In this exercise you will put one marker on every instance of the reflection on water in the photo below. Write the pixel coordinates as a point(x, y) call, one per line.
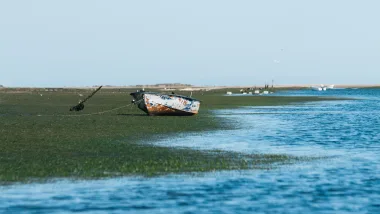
point(349, 131)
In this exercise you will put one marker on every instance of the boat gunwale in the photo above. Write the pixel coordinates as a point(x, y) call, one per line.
point(158, 93)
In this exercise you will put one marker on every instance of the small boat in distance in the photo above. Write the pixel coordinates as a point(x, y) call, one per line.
point(156, 104)
point(322, 87)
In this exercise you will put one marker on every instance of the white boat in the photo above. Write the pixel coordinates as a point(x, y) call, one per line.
point(322, 87)
point(165, 104)
point(316, 88)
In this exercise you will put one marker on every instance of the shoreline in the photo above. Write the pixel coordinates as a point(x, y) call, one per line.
point(186, 88)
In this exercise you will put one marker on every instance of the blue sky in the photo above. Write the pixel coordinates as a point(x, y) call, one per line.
point(208, 42)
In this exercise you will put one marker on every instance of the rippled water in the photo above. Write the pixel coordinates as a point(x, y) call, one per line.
point(348, 182)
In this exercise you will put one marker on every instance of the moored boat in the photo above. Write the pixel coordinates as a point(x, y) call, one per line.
point(155, 104)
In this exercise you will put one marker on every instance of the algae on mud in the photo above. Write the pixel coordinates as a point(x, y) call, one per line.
point(38, 141)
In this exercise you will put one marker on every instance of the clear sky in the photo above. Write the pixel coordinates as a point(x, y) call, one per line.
point(201, 42)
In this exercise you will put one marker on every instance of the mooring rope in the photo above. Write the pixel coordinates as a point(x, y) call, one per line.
point(96, 113)
point(81, 115)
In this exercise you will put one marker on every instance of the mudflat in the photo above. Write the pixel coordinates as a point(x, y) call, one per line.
point(41, 140)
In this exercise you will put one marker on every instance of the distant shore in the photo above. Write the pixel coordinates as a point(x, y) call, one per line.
point(195, 88)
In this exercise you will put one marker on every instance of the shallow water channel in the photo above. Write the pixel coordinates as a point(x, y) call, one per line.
point(346, 180)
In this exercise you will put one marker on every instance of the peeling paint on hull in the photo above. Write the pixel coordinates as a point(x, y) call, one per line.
point(162, 104)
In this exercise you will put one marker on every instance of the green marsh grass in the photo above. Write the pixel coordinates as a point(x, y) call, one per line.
point(39, 141)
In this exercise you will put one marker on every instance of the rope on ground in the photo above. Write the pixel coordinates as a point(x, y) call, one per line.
point(81, 115)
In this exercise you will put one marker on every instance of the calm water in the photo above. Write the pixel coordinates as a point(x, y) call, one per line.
point(348, 182)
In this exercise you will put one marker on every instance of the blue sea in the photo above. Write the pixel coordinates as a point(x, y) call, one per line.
point(345, 135)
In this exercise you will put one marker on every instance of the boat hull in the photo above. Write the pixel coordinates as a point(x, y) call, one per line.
point(156, 104)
